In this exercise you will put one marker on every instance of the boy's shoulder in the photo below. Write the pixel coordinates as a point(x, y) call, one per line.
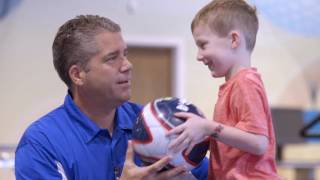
point(248, 79)
point(249, 75)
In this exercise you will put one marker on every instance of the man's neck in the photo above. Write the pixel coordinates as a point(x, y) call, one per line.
point(101, 114)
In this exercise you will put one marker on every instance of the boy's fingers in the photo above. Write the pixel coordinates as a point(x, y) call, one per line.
point(179, 129)
point(178, 143)
point(181, 146)
point(188, 115)
point(190, 147)
point(176, 130)
point(183, 115)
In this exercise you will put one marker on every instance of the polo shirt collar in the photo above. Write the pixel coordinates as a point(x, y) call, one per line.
point(123, 119)
point(88, 128)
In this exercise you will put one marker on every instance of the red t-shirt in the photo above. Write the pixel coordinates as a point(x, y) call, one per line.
point(242, 103)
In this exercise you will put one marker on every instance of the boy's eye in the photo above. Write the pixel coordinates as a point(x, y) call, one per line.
point(203, 45)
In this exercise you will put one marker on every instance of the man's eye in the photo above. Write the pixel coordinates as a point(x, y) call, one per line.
point(111, 58)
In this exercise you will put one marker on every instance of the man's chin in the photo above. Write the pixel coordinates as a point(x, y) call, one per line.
point(126, 97)
point(122, 100)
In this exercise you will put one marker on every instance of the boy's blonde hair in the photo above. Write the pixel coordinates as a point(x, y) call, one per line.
point(222, 16)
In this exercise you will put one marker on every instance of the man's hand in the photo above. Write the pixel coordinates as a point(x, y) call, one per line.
point(133, 172)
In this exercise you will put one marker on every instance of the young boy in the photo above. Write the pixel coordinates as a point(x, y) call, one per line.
point(241, 133)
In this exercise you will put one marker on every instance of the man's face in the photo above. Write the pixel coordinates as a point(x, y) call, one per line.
point(108, 73)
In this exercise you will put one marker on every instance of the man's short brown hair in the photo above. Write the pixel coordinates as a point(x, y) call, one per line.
point(75, 42)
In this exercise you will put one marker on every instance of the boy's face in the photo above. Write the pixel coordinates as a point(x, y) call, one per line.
point(214, 51)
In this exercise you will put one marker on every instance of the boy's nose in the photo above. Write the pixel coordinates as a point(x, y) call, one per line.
point(199, 57)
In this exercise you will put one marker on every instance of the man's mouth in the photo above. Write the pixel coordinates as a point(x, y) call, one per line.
point(123, 82)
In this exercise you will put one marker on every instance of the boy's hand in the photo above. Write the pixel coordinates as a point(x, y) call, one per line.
point(190, 133)
point(133, 172)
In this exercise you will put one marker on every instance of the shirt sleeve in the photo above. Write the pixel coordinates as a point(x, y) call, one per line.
point(251, 106)
point(33, 162)
point(201, 171)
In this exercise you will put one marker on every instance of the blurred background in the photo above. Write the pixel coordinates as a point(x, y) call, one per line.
point(162, 51)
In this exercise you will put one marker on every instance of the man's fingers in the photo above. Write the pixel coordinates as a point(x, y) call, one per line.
point(129, 154)
point(172, 173)
point(157, 166)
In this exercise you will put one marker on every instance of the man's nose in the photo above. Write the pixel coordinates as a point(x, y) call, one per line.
point(126, 65)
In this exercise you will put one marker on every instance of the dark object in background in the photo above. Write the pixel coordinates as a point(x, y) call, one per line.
point(287, 126)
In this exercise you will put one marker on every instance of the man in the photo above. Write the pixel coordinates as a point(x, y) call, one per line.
point(87, 137)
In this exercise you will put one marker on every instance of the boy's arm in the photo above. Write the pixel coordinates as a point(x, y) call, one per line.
point(250, 134)
point(250, 111)
point(196, 129)
point(245, 141)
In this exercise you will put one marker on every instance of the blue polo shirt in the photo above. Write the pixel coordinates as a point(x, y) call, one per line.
point(66, 144)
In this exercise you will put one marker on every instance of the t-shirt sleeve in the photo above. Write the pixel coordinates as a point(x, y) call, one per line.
point(201, 171)
point(251, 106)
point(32, 161)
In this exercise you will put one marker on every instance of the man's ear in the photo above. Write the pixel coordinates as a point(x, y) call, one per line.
point(76, 74)
point(235, 39)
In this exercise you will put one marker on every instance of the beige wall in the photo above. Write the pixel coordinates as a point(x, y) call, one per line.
point(30, 86)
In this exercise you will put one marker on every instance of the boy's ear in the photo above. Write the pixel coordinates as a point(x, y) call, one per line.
point(235, 39)
point(76, 74)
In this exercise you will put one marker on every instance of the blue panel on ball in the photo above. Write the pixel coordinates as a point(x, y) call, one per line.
point(168, 107)
point(140, 132)
point(198, 152)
